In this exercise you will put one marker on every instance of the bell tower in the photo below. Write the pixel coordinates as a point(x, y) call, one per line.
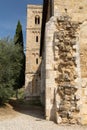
point(33, 61)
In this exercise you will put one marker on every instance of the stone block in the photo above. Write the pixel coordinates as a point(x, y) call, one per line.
point(65, 120)
point(73, 121)
point(59, 120)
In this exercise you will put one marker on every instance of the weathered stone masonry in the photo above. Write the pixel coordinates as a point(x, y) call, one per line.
point(63, 78)
point(66, 72)
point(66, 65)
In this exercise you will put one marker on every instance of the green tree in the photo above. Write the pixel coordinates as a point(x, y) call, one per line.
point(10, 67)
point(18, 40)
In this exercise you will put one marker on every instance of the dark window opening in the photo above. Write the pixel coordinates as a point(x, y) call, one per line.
point(37, 19)
point(36, 60)
point(36, 38)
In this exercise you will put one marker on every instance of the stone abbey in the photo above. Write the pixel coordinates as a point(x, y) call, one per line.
point(56, 59)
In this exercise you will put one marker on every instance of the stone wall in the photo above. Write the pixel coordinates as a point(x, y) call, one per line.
point(63, 87)
point(64, 91)
point(67, 67)
point(77, 12)
point(77, 9)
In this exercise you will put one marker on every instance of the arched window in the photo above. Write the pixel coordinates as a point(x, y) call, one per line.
point(37, 19)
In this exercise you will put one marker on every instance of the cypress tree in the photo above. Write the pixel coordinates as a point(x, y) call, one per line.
point(18, 41)
point(18, 38)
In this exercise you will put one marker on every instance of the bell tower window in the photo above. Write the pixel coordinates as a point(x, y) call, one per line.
point(37, 19)
point(37, 39)
point(36, 60)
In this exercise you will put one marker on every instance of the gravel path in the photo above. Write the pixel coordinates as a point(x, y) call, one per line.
point(33, 120)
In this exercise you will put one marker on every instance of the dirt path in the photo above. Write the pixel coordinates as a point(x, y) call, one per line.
point(29, 119)
point(27, 122)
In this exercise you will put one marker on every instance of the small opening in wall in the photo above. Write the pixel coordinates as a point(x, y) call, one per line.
point(66, 10)
point(36, 38)
point(37, 19)
point(36, 60)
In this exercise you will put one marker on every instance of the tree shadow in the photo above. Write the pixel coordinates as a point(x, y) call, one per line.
point(27, 108)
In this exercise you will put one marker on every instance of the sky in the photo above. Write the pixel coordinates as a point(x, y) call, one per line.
point(10, 12)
